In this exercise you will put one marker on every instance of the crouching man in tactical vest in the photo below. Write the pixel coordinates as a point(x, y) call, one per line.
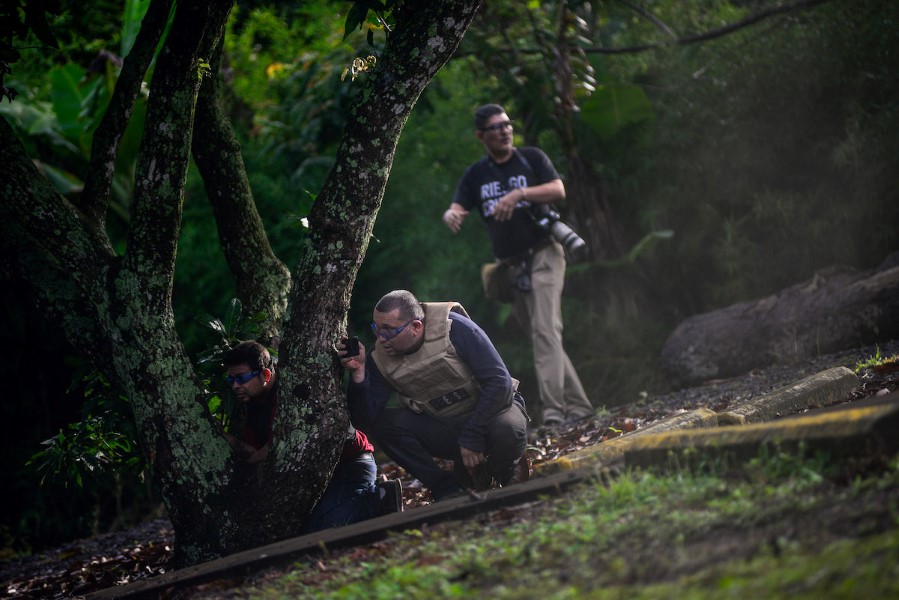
point(457, 399)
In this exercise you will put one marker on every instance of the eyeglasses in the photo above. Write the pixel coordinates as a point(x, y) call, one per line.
point(388, 333)
point(242, 378)
point(498, 126)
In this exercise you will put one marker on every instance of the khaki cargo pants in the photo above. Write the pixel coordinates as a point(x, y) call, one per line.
point(540, 314)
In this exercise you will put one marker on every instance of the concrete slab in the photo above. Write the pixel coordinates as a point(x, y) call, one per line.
point(613, 450)
point(820, 389)
point(867, 430)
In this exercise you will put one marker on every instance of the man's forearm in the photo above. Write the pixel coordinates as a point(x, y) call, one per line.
point(545, 193)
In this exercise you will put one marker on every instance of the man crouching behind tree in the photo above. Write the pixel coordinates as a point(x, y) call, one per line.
point(458, 401)
point(352, 494)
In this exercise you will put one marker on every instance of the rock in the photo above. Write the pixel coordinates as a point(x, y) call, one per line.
point(833, 311)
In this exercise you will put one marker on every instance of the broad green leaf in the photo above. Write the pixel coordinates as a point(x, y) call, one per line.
point(134, 14)
point(215, 324)
point(354, 19)
point(611, 107)
point(67, 99)
point(235, 310)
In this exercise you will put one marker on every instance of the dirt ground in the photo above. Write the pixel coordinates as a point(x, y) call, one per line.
point(104, 561)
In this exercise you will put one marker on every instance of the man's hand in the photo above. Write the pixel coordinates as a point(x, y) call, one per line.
point(354, 364)
point(470, 458)
point(454, 216)
point(506, 205)
point(241, 449)
point(258, 455)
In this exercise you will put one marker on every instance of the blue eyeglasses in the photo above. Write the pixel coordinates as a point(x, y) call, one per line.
point(242, 378)
point(388, 334)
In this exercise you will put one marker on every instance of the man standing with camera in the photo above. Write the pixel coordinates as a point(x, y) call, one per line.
point(513, 190)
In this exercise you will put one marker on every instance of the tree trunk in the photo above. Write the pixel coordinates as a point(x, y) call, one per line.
point(829, 313)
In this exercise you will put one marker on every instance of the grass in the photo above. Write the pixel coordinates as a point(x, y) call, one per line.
point(779, 526)
point(876, 361)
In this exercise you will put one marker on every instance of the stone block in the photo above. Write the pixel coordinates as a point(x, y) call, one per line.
point(820, 389)
point(861, 432)
point(612, 450)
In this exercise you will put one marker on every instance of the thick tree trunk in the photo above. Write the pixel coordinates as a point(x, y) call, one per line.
point(827, 314)
point(190, 460)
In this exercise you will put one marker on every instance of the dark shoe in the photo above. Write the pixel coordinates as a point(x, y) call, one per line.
point(552, 423)
point(390, 492)
point(578, 421)
point(483, 478)
point(522, 471)
point(478, 479)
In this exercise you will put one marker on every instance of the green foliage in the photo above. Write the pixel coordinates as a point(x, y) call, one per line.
point(381, 18)
point(234, 328)
point(876, 361)
point(611, 107)
point(17, 19)
point(203, 283)
point(102, 443)
point(86, 479)
point(61, 105)
point(133, 14)
point(265, 48)
point(287, 73)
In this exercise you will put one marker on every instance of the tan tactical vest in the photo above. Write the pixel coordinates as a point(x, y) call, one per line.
point(433, 379)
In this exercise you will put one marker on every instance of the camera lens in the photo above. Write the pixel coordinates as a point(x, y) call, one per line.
point(571, 241)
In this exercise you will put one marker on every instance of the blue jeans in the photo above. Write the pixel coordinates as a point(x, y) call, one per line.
point(350, 497)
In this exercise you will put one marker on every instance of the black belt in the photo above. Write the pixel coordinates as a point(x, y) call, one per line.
point(516, 259)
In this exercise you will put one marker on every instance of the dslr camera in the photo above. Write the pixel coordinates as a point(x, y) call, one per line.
point(548, 219)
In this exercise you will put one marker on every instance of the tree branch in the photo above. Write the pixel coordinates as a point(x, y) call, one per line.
point(262, 280)
point(164, 155)
point(64, 262)
point(683, 41)
point(649, 17)
point(715, 33)
point(31, 204)
point(95, 196)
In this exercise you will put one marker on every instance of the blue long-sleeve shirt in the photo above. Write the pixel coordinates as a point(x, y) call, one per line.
point(368, 398)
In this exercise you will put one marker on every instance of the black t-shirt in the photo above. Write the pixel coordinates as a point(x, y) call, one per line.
point(485, 182)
